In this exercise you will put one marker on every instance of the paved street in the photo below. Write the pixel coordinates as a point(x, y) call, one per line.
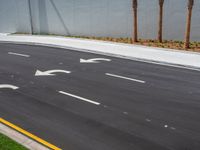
point(84, 101)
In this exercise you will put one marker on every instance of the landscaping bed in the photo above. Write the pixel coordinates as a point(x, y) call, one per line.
point(170, 44)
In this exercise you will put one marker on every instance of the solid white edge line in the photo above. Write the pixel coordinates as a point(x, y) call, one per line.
point(78, 97)
point(118, 76)
point(18, 54)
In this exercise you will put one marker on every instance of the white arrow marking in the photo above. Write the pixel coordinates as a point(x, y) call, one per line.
point(8, 86)
point(78, 97)
point(94, 60)
point(50, 72)
point(117, 76)
point(17, 54)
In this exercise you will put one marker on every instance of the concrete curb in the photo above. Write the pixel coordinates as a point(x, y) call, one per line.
point(21, 139)
point(174, 58)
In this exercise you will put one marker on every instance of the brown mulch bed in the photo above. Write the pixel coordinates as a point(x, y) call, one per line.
point(170, 44)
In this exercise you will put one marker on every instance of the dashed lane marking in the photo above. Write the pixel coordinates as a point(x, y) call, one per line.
point(8, 86)
point(18, 54)
point(126, 78)
point(80, 98)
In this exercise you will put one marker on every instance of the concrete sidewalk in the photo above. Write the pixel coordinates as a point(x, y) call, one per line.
point(21, 139)
point(190, 60)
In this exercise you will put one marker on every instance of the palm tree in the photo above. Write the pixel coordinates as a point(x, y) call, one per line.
point(135, 31)
point(188, 27)
point(161, 2)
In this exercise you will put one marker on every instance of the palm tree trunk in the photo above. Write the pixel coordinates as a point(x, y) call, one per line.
point(161, 2)
point(188, 27)
point(135, 31)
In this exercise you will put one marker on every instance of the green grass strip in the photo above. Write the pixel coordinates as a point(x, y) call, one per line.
point(8, 144)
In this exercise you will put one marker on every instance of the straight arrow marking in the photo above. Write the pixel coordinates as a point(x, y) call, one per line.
point(8, 86)
point(131, 79)
point(81, 98)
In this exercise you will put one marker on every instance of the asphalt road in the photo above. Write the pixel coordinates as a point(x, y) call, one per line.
point(111, 105)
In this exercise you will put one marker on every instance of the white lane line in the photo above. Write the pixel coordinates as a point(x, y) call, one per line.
point(8, 86)
point(172, 128)
point(118, 76)
point(166, 126)
point(78, 97)
point(18, 54)
point(148, 120)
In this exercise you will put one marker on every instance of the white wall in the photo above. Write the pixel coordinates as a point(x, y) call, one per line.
point(97, 17)
point(8, 17)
